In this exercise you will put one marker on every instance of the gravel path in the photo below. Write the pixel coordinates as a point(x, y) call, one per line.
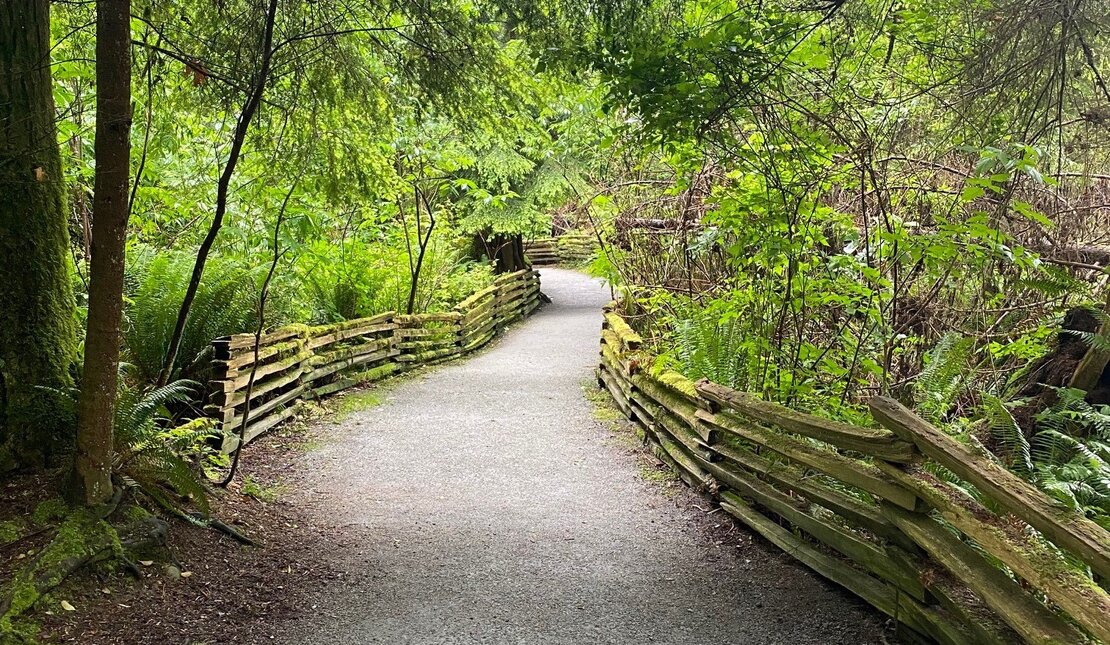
point(489, 506)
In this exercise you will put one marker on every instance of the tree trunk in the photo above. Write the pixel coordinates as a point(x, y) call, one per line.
point(506, 250)
point(1090, 369)
point(99, 382)
point(38, 341)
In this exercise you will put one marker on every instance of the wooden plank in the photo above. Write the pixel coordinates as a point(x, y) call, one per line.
point(366, 376)
point(240, 381)
point(1064, 527)
point(241, 341)
point(326, 370)
point(428, 355)
point(469, 301)
point(851, 471)
point(486, 327)
point(480, 310)
point(1028, 617)
point(409, 347)
point(227, 399)
point(617, 361)
point(1073, 592)
point(420, 319)
point(675, 427)
point(350, 351)
point(886, 599)
point(229, 367)
point(859, 549)
point(615, 391)
point(479, 341)
point(789, 477)
point(881, 444)
point(256, 428)
point(621, 381)
point(260, 411)
point(344, 334)
point(688, 468)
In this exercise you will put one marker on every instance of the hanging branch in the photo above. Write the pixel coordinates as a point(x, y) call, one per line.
point(241, 128)
point(262, 297)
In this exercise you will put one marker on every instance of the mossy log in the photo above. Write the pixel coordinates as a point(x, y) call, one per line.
point(83, 539)
point(1064, 527)
point(881, 444)
point(677, 404)
point(629, 338)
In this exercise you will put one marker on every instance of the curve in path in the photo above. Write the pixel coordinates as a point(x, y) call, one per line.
point(491, 507)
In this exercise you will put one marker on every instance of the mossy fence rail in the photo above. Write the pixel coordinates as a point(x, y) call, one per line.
point(302, 362)
point(863, 508)
point(569, 248)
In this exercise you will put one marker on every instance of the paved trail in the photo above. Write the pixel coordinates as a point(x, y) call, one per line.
point(492, 508)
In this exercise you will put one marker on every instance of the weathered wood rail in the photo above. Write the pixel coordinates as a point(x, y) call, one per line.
point(861, 506)
point(302, 362)
point(568, 248)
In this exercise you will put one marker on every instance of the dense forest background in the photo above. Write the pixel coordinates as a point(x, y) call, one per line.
point(812, 201)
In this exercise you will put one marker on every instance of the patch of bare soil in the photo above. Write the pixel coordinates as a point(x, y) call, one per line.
point(204, 587)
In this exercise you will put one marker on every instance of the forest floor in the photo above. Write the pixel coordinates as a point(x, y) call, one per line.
point(494, 499)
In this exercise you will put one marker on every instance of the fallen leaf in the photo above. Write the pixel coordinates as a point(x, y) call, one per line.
point(146, 563)
point(186, 574)
point(68, 607)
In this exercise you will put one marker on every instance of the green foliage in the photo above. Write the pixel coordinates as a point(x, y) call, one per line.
point(149, 449)
point(707, 347)
point(226, 303)
point(944, 375)
point(1071, 454)
point(154, 452)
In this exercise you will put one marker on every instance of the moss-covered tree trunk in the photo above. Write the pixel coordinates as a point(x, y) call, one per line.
point(99, 380)
point(37, 331)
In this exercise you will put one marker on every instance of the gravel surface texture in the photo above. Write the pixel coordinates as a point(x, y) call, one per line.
point(491, 506)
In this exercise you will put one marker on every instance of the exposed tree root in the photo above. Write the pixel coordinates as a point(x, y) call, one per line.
point(84, 539)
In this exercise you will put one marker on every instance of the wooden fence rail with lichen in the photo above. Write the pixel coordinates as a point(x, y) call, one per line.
point(862, 507)
point(305, 362)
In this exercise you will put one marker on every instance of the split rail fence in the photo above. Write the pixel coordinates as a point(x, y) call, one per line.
point(569, 248)
point(305, 362)
point(866, 508)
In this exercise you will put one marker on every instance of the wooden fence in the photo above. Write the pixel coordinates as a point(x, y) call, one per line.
point(302, 362)
point(866, 508)
point(568, 248)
